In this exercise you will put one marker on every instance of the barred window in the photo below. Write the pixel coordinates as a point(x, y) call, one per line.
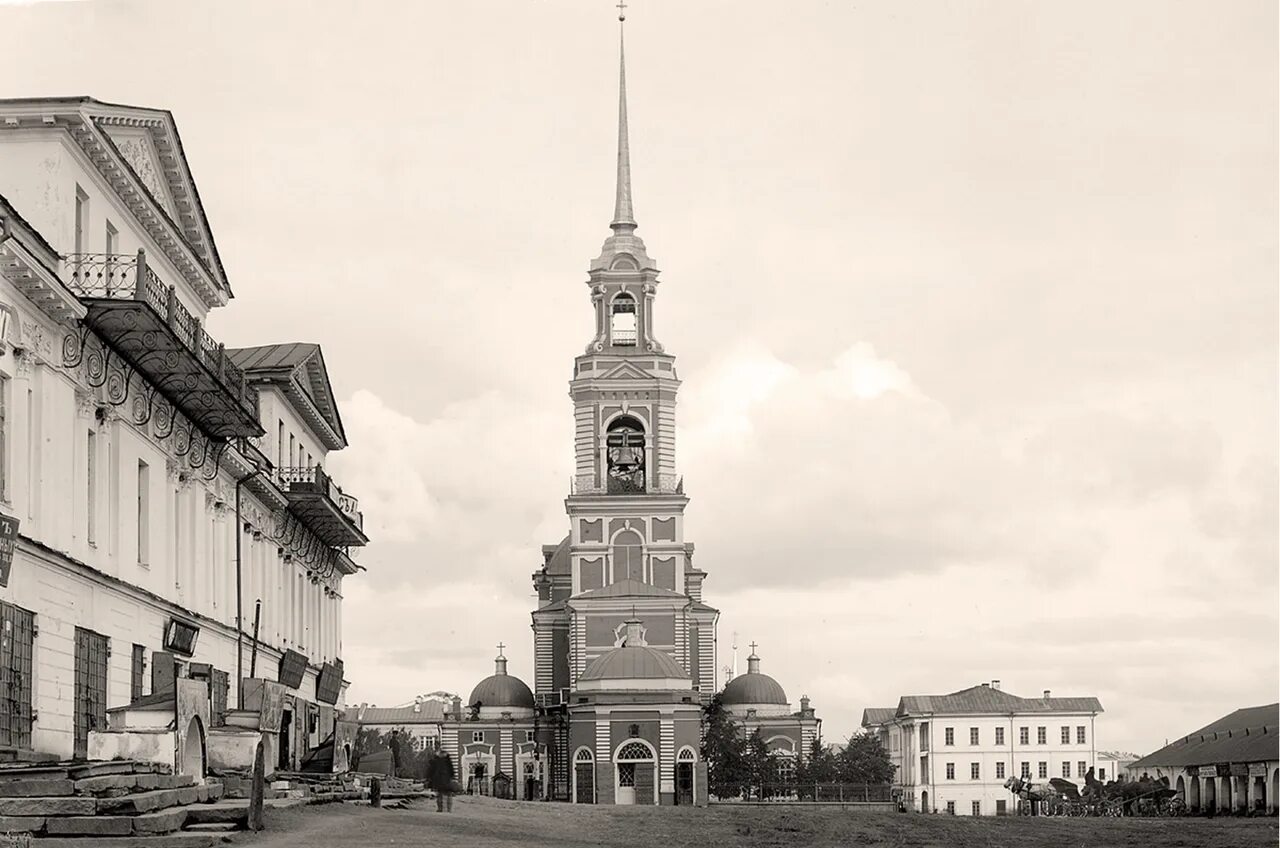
point(137, 672)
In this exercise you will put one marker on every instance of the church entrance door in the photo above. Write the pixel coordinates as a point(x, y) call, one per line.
point(684, 784)
point(626, 784)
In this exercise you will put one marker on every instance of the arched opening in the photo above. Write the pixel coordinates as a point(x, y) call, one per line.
point(1275, 790)
point(686, 777)
point(924, 800)
point(624, 455)
point(622, 321)
point(1209, 801)
point(628, 556)
point(1225, 796)
point(1181, 788)
point(635, 773)
point(193, 749)
point(584, 777)
point(1193, 794)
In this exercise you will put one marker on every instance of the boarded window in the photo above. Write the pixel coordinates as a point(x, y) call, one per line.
point(91, 687)
point(137, 671)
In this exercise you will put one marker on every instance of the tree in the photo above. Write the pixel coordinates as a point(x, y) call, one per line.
point(818, 767)
point(864, 760)
point(760, 766)
point(724, 749)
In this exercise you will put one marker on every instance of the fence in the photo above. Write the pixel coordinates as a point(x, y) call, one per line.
point(879, 795)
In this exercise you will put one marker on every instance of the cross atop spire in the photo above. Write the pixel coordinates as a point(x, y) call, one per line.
point(753, 647)
point(623, 216)
point(500, 647)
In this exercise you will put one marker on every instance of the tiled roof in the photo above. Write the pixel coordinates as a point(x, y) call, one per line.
point(630, 589)
point(1249, 735)
point(432, 713)
point(877, 715)
point(985, 699)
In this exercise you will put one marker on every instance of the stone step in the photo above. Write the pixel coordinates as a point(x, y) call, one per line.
point(20, 772)
point(212, 827)
point(243, 718)
point(164, 821)
point(107, 767)
point(89, 826)
point(63, 806)
point(146, 802)
point(37, 787)
point(182, 839)
point(230, 811)
point(114, 785)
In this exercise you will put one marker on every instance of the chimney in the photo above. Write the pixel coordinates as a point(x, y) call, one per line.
point(457, 708)
point(995, 684)
point(417, 704)
point(1046, 694)
point(986, 686)
point(804, 703)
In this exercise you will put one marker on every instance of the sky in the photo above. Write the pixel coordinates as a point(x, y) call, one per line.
point(974, 305)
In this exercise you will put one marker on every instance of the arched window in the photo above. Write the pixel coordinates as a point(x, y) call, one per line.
point(584, 755)
point(624, 449)
point(628, 556)
point(622, 320)
point(634, 752)
point(687, 755)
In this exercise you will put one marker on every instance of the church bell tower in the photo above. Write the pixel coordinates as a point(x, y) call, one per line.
point(625, 555)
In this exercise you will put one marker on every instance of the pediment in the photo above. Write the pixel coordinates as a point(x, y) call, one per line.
point(626, 371)
point(137, 148)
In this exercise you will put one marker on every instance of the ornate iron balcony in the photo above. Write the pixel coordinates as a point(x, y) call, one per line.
point(320, 503)
point(141, 318)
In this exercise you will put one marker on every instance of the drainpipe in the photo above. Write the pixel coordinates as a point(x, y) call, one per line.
point(240, 596)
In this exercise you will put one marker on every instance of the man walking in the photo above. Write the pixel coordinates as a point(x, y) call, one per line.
point(440, 778)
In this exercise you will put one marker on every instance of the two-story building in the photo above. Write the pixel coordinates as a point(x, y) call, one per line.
point(953, 753)
point(165, 503)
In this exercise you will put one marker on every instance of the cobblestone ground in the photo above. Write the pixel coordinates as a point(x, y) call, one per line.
point(485, 823)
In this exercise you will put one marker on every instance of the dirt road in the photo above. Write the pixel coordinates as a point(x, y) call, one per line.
point(486, 823)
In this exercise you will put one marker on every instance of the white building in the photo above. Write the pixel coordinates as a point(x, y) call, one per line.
point(150, 470)
point(954, 752)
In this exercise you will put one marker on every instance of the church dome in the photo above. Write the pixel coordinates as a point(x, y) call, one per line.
point(634, 665)
point(753, 688)
point(501, 691)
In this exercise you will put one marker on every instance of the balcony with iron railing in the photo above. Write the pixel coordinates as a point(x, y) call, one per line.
point(331, 514)
point(143, 322)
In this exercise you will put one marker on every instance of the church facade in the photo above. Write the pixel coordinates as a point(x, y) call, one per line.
point(624, 644)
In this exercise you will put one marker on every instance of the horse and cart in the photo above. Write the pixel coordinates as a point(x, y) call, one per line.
point(1059, 797)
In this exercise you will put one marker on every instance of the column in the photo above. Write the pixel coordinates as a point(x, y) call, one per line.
point(667, 759)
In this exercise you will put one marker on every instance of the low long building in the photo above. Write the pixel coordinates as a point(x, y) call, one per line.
point(1229, 765)
point(953, 753)
point(146, 471)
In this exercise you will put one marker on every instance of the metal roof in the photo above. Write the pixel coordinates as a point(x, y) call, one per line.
point(432, 712)
point(630, 589)
point(638, 662)
point(985, 699)
point(303, 364)
point(878, 715)
point(1248, 735)
point(501, 690)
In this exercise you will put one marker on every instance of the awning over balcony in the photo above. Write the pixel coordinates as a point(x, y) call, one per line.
point(333, 516)
point(142, 322)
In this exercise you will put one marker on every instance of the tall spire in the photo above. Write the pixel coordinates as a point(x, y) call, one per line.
point(623, 216)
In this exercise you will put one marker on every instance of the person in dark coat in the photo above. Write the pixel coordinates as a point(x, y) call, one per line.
point(440, 778)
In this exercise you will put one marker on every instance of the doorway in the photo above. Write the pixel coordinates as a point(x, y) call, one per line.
point(684, 784)
point(924, 801)
point(91, 687)
point(584, 777)
point(285, 749)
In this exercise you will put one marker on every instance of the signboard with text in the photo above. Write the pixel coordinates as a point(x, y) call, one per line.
point(8, 541)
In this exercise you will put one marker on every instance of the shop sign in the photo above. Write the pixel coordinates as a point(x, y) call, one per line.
point(1207, 771)
point(1239, 769)
point(8, 541)
point(1258, 768)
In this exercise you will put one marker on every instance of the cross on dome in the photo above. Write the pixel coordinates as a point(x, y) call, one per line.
point(753, 647)
point(500, 647)
point(622, 10)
